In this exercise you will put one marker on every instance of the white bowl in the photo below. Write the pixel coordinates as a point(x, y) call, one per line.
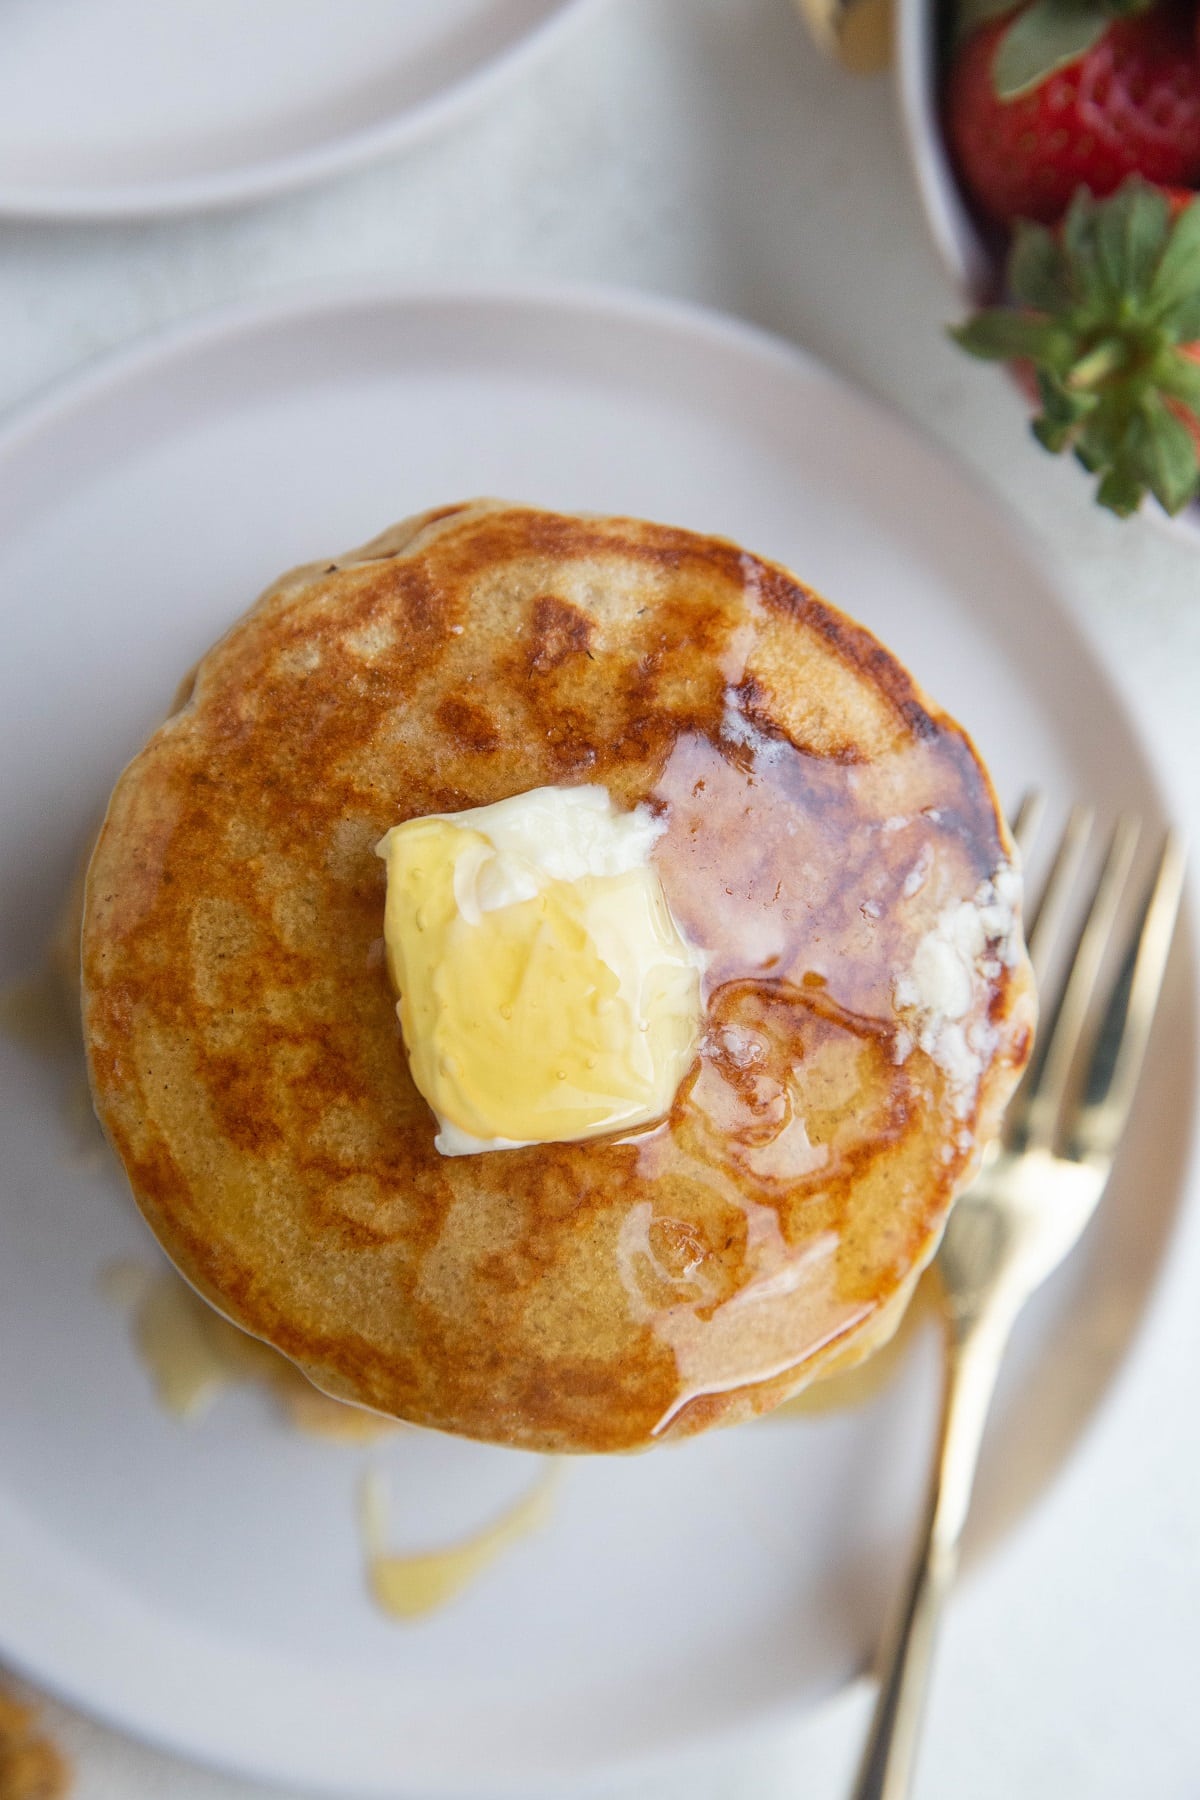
point(970, 260)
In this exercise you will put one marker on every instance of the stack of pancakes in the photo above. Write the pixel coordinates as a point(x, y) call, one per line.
point(825, 826)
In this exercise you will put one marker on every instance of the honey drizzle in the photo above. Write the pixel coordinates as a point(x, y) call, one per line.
point(410, 1586)
point(848, 1389)
point(192, 1355)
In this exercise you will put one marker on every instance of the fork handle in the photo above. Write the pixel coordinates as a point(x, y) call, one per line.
point(974, 1350)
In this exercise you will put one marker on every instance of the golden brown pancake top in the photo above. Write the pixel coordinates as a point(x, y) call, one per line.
point(823, 819)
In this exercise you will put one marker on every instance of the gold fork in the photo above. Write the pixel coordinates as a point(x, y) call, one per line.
point(1022, 1214)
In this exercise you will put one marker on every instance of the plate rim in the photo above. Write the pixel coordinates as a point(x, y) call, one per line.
point(588, 304)
point(271, 176)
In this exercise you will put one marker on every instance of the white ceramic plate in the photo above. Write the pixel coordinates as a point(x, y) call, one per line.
point(203, 1586)
point(111, 107)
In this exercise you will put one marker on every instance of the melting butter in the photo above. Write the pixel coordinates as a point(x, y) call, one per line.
point(192, 1355)
point(409, 1586)
point(546, 993)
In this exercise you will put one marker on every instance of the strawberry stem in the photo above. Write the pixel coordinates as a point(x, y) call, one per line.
point(1107, 318)
point(1106, 358)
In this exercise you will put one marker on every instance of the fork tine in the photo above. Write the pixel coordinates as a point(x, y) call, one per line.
point(1028, 821)
point(1064, 1028)
point(1047, 916)
point(1121, 1042)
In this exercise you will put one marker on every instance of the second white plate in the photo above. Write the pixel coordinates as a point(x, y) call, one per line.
point(115, 107)
point(204, 1586)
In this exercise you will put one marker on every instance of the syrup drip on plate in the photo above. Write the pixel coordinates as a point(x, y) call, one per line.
point(409, 1586)
point(192, 1355)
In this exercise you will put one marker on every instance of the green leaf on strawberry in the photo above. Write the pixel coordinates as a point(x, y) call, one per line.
point(1038, 270)
point(1107, 319)
point(1046, 36)
point(1177, 279)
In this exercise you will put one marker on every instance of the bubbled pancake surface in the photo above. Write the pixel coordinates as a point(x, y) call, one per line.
point(244, 1048)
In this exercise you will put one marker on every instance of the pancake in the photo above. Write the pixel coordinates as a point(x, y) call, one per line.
point(832, 844)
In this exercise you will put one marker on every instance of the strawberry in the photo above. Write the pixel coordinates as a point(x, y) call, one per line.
point(1107, 319)
point(1061, 95)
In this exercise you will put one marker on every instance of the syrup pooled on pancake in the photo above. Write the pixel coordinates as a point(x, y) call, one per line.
point(830, 845)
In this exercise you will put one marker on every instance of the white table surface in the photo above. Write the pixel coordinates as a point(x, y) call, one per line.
point(701, 148)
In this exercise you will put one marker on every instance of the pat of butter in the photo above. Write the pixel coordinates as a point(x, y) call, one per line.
point(546, 992)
